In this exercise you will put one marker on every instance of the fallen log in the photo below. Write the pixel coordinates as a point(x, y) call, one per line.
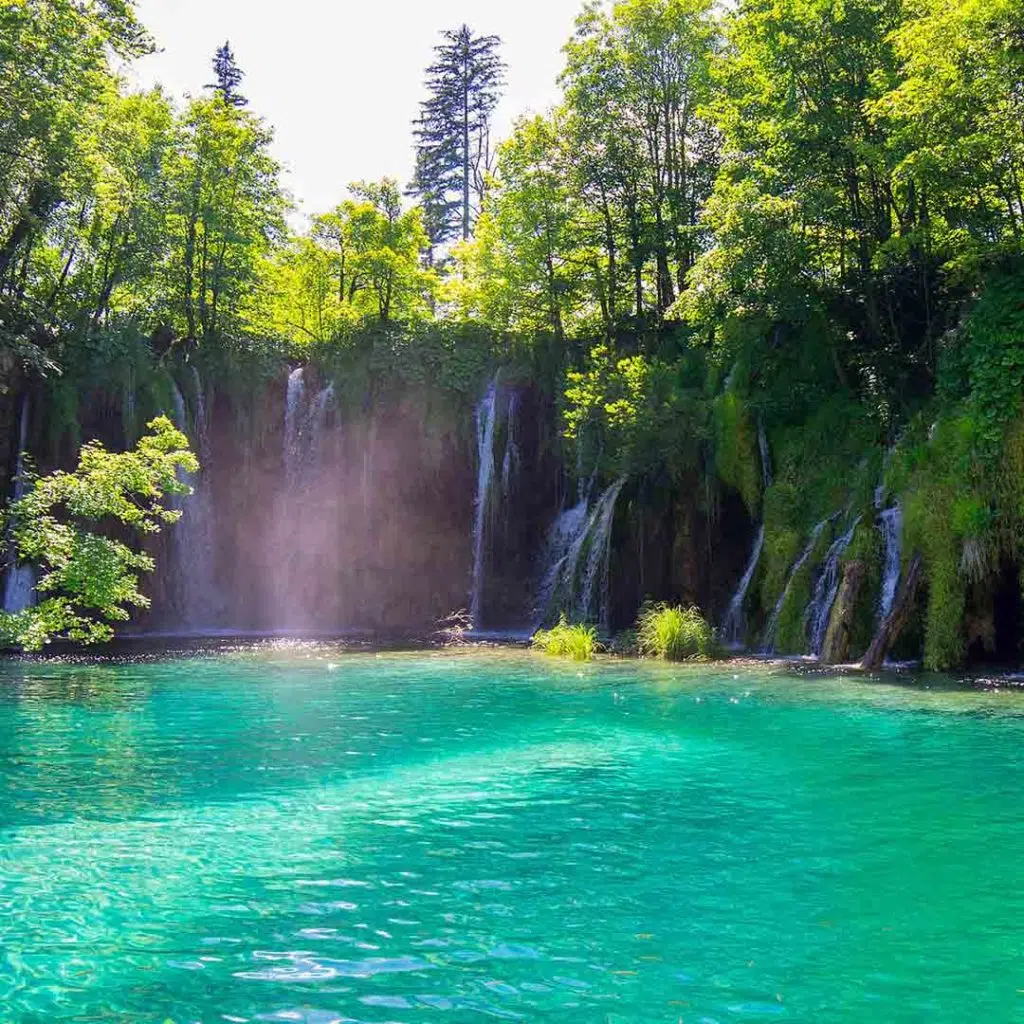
point(836, 647)
point(892, 625)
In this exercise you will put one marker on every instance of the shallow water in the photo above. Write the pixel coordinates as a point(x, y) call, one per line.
point(292, 833)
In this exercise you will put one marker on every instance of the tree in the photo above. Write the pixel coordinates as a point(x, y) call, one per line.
point(362, 261)
point(229, 77)
point(453, 132)
point(88, 579)
point(644, 155)
point(523, 271)
point(226, 215)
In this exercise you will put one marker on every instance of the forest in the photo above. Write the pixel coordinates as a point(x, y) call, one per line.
point(737, 324)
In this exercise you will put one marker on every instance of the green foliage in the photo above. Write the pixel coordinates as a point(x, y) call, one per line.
point(984, 360)
point(673, 633)
point(88, 579)
point(828, 463)
point(575, 641)
point(634, 414)
point(791, 626)
point(933, 476)
point(363, 261)
point(737, 458)
point(865, 548)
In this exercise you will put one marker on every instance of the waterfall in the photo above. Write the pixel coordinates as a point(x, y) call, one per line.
point(303, 428)
point(565, 536)
point(194, 539)
point(890, 522)
point(19, 586)
point(766, 456)
point(734, 623)
point(594, 603)
point(510, 463)
point(768, 645)
point(294, 393)
point(577, 559)
point(827, 587)
point(485, 415)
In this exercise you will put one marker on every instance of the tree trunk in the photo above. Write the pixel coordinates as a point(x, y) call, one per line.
point(836, 646)
point(894, 622)
point(43, 198)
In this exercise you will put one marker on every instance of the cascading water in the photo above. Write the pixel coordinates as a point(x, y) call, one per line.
point(564, 537)
point(294, 394)
point(827, 587)
point(594, 593)
point(197, 595)
point(577, 560)
point(510, 464)
point(303, 428)
point(766, 457)
point(734, 624)
point(768, 645)
point(485, 416)
point(890, 522)
point(19, 586)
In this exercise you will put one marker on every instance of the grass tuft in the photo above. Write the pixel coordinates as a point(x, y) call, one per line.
point(575, 641)
point(674, 633)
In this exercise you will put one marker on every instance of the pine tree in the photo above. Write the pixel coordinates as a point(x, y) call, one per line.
point(229, 77)
point(452, 132)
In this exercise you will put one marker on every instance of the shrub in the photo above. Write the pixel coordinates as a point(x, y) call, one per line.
point(575, 641)
point(673, 633)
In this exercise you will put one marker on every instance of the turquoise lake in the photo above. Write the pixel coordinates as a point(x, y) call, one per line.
point(293, 833)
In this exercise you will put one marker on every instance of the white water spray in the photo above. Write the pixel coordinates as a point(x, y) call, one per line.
point(890, 522)
point(577, 558)
point(734, 624)
point(19, 587)
point(768, 645)
point(826, 589)
point(485, 416)
point(196, 592)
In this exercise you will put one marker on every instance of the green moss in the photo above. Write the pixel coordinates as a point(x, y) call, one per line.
point(791, 630)
point(784, 538)
point(737, 456)
point(940, 501)
point(866, 548)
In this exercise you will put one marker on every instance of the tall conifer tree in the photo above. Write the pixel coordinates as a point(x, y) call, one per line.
point(229, 77)
point(453, 132)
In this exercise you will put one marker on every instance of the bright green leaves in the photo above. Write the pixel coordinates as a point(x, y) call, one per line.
point(634, 414)
point(226, 214)
point(361, 262)
point(88, 574)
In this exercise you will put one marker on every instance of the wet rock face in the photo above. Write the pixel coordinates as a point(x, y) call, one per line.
point(836, 646)
point(368, 531)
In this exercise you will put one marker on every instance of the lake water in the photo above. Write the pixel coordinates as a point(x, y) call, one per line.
point(292, 833)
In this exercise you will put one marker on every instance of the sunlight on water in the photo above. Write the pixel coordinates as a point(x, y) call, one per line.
point(294, 833)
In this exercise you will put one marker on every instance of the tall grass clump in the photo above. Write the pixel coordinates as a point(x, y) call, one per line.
point(674, 633)
point(575, 641)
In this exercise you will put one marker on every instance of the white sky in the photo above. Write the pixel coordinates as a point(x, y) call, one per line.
point(340, 81)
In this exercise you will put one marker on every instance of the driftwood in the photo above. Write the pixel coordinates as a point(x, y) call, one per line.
point(836, 646)
point(892, 625)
